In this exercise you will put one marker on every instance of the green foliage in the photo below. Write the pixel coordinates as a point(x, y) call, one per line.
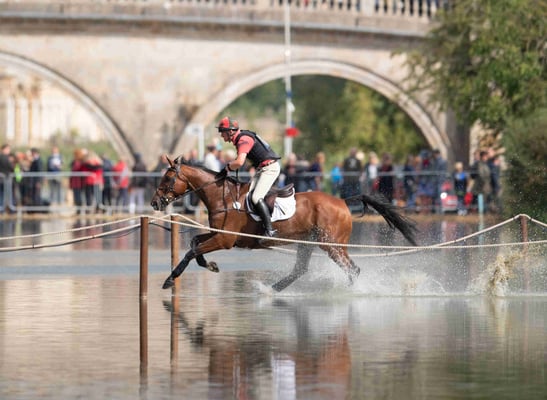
point(266, 99)
point(485, 60)
point(333, 115)
point(525, 180)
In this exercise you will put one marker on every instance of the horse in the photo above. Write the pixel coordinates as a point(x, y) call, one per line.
point(319, 218)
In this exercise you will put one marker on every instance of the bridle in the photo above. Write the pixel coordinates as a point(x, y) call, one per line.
point(169, 195)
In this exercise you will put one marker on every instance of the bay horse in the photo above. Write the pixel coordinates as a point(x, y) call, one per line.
point(319, 218)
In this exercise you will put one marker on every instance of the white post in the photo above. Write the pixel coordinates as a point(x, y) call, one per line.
point(289, 107)
point(197, 130)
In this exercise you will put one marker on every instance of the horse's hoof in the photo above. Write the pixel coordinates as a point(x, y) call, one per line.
point(212, 266)
point(169, 282)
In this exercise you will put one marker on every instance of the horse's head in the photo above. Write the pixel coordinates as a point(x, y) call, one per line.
point(171, 186)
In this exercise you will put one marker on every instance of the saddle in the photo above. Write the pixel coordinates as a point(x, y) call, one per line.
point(274, 192)
point(280, 201)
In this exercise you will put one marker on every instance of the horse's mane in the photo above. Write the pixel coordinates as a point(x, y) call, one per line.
point(197, 166)
point(208, 170)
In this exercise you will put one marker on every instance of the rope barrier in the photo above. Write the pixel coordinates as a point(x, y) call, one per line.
point(453, 244)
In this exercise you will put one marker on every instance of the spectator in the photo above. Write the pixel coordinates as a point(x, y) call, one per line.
point(482, 183)
point(93, 182)
point(21, 165)
point(36, 166)
point(409, 184)
point(302, 176)
point(336, 179)
point(439, 168)
point(351, 172)
point(288, 173)
point(76, 182)
point(121, 183)
point(211, 159)
point(107, 180)
point(192, 158)
point(425, 182)
point(6, 168)
point(138, 185)
point(316, 172)
point(370, 173)
point(385, 184)
point(54, 166)
point(461, 182)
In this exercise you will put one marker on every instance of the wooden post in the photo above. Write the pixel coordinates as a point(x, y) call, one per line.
point(143, 290)
point(143, 293)
point(175, 238)
point(174, 290)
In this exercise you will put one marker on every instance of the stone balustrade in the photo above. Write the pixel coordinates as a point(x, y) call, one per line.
point(167, 8)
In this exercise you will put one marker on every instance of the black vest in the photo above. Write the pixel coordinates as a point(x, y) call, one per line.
point(261, 151)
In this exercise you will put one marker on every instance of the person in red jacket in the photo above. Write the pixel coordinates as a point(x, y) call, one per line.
point(121, 183)
point(93, 182)
point(76, 182)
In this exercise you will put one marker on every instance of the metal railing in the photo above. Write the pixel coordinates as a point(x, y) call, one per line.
point(47, 192)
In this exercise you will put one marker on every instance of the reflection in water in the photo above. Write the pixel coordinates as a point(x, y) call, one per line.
point(79, 337)
point(416, 326)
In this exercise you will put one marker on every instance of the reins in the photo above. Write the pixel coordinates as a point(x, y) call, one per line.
point(194, 189)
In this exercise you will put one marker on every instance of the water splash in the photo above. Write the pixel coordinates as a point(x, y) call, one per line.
point(494, 280)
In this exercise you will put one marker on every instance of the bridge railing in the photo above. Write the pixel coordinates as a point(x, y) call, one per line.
point(387, 8)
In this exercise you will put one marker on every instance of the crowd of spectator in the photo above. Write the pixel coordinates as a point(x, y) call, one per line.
point(420, 185)
point(96, 183)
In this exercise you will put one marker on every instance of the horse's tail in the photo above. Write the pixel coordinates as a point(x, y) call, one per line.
point(390, 213)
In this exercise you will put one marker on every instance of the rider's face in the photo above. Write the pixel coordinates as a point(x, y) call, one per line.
point(226, 135)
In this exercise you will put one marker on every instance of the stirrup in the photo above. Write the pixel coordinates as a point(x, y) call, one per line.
point(270, 232)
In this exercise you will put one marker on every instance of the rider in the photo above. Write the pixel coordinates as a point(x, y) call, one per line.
point(264, 159)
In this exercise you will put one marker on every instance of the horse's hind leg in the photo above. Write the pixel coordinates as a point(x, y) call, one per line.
point(341, 258)
point(303, 256)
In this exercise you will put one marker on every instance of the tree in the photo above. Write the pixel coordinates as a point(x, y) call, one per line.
point(485, 60)
point(335, 114)
point(526, 177)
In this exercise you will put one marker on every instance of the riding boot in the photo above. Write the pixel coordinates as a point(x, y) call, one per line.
point(262, 209)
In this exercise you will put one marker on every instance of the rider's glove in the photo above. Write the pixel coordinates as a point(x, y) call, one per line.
point(223, 173)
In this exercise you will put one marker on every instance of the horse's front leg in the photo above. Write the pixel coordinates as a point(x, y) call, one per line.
point(170, 281)
point(200, 245)
point(202, 262)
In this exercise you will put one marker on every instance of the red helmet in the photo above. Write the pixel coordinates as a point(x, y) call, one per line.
point(228, 124)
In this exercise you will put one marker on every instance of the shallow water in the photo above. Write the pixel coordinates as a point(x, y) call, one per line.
point(430, 325)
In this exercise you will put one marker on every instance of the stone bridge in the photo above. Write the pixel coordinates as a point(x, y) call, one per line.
point(149, 70)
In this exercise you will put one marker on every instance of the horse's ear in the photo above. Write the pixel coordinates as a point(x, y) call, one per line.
point(178, 160)
point(169, 161)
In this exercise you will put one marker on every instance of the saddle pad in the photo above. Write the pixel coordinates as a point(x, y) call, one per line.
point(284, 208)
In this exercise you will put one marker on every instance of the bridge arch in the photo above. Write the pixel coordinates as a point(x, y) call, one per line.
point(111, 129)
point(436, 138)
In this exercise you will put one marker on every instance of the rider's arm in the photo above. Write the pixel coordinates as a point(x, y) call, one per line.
point(238, 162)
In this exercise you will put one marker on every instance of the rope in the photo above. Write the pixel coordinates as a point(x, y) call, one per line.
point(410, 249)
point(453, 244)
point(70, 241)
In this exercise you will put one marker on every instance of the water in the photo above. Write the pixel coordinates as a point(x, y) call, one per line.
point(455, 324)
